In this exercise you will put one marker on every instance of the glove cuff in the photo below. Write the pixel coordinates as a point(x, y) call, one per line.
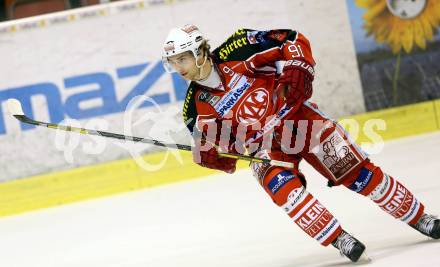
point(300, 65)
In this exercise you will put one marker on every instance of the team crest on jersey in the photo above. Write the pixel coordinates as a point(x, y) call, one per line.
point(208, 98)
point(255, 37)
point(254, 107)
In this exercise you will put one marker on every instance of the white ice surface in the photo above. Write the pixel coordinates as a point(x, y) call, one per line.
point(226, 220)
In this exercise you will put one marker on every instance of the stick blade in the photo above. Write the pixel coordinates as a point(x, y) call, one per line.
point(14, 107)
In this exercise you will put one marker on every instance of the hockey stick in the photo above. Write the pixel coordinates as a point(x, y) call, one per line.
point(16, 110)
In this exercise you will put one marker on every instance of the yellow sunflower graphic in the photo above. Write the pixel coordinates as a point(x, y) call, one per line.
point(401, 23)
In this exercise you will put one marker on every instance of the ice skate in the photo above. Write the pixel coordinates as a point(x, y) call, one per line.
point(349, 246)
point(428, 225)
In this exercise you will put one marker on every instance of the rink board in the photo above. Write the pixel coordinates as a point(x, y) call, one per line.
point(403, 121)
point(125, 175)
point(92, 61)
point(94, 181)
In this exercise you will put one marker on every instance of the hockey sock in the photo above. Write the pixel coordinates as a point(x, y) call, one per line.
point(394, 198)
point(388, 193)
point(287, 191)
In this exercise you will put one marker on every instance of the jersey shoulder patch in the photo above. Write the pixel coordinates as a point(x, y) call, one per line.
point(246, 42)
point(236, 48)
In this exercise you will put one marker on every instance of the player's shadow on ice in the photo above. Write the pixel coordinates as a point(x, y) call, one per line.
point(373, 253)
point(327, 262)
point(387, 251)
point(324, 260)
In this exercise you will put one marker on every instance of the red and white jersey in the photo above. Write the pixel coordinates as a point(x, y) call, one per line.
point(246, 97)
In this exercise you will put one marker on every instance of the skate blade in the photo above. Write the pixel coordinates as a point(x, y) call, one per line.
point(364, 259)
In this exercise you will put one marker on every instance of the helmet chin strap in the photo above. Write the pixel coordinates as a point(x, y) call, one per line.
point(200, 67)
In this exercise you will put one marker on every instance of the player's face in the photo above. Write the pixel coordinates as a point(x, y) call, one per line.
point(185, 65)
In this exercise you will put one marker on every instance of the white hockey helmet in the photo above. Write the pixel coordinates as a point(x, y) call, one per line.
point(179, 40)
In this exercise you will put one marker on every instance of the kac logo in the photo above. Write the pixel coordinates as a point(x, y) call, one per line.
point(254, 107)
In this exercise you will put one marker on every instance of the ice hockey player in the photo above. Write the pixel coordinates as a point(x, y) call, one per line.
point(237, 102)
